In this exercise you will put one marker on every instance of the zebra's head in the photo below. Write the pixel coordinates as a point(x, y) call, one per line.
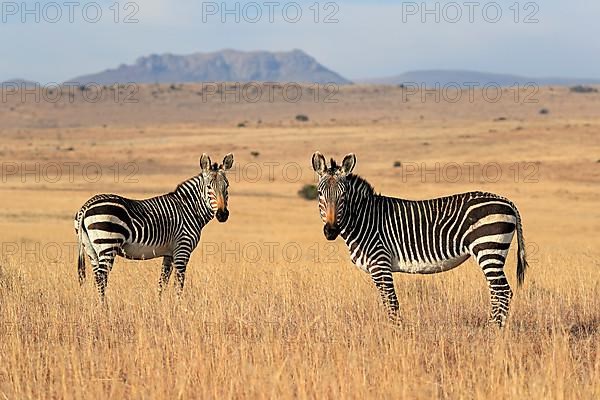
point(332, 189)
point(216, 184)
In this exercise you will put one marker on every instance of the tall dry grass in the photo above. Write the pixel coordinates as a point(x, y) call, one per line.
point(307, 330)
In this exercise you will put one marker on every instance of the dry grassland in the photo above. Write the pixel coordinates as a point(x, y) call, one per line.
point(270, 308)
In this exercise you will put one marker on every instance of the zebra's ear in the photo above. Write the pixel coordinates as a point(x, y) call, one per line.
point(228, 161)
point(205, 162)
point(348, 163)
point(318, 162)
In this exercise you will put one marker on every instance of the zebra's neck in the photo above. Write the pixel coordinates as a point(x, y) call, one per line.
point(360, 197)
point(191, 194)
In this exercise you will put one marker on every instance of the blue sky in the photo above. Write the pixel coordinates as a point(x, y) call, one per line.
point(369, 39)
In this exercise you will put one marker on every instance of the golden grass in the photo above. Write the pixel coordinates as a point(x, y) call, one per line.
point(265, 330)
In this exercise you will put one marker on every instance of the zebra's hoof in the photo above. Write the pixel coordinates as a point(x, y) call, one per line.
point(396, 321)
point(498, 322)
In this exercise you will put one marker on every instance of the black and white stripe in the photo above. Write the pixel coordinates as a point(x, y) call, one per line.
point(386, 234)
point(165, 226)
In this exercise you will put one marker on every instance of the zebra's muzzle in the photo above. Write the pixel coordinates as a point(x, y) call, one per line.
point(222, 215)
point(331, 231)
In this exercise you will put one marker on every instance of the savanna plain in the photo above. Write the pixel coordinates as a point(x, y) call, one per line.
point(270, 308)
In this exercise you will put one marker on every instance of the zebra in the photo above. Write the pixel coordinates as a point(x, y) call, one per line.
point(166, 226)
point(387, 234)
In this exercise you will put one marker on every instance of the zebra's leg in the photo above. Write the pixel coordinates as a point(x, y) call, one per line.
point(179, 276)
point(106, 259)
point(492, 265)
point(101, 282)
point(167, 268)
point(381, 273)
point(181, 257)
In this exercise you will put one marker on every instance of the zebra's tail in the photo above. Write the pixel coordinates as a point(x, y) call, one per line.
point(81, 253)
point(521, 256)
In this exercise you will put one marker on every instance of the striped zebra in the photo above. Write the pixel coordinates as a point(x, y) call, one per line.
point(166, 226)
point(386, 234)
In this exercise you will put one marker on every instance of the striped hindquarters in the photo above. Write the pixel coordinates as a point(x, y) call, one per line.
point(488, 224)
point(106, 222)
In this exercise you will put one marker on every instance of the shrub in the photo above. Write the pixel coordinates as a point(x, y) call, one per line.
point(308, 192)
point(301, 118)
point(583, 89)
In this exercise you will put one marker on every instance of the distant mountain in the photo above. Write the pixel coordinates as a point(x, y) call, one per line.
point(20, 82)
point(464, 78)
point(225, 65)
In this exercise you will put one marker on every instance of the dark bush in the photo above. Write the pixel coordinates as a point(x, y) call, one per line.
point(544, 111)
point(301, 118)
point(308, 192)
point(397, 164)
point(254, 153)
point(583, 89)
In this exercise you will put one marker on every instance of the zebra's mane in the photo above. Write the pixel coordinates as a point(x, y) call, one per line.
point(195, 178)
point(333, 166)
point(186, 184)
point(360, 184)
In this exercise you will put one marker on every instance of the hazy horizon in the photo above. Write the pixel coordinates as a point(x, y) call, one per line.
point(369, 40)
point(353, 79)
